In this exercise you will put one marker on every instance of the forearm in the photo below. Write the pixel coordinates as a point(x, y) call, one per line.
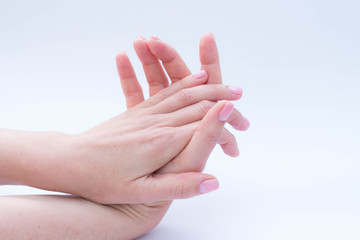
point(30, 158)
point(67, 217)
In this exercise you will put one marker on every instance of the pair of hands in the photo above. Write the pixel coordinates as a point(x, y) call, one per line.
point(157, 149)
point(139, 161)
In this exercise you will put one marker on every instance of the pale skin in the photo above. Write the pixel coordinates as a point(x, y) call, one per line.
point(175, 173)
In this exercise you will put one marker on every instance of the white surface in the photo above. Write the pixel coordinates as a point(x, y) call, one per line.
point(298, 61)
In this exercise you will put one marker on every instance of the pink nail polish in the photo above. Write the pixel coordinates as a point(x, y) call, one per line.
point(208, 186)
point(142, 38)
point(235, 90)
point(225, 112)
point(200, 74)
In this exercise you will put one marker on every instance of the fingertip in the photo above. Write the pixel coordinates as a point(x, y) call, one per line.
point(122, 61)
point(231, 151)
point(226, 110)
point(142, 38)
point(160, 49)
point(246, 123)
point(153, 37)
point(241, 125)
point(200, 75)
point(139, 40)
point(235, 153)
point(120, 55)
point(208, 34)
point(208, 37)
point(208, 50)
point(208, 185)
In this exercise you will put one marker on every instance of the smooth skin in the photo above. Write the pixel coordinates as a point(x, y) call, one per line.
point(117, 161)
point(156, 55)
point(75, 217)
point(71, 217)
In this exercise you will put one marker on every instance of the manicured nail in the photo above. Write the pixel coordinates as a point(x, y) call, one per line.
point(225, 112)
point(155, 37)
point(235, 90)
point(200, 74)
point(142, 38)
point(208, 186)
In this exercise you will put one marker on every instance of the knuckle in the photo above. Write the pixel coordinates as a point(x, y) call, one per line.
point(217, 91)
point(159, 139)
point(182, 84)
point(157, 84)
point(180, 191)
point(185, 95)
point(227, 137)
point(130, 93)
point(212, 138)
point(163, 93)
point(205, 105)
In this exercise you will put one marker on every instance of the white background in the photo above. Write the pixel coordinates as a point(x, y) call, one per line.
point(298, 173)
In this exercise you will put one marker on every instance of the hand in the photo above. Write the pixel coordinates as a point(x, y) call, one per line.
point(73, 167)
point(151, 53)
point(208, 133)
point(117, 161)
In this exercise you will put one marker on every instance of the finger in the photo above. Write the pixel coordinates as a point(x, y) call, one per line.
point(175, 186)
point(130, 85)
point(187, 82)
point(189, 96)
point(167, 140)
point(171, 60)
point(238, 121)
point(196, 112)
point(228, 143)
point(189, 114)
point(193, 158)
point(209, 58)
point(154, 72)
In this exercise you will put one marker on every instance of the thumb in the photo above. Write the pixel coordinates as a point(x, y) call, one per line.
point(193, 158)
point(160, 187)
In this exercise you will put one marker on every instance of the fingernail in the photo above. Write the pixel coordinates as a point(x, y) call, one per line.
point(142, 38)
point(235, 90)
point(226, 111)
point(246, 122)
point(208, 186)
point(200, 74)
point(155, 37)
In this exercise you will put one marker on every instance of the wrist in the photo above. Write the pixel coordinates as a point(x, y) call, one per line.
point(30, 158)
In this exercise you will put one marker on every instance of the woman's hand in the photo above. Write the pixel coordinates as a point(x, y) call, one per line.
point(155, 55)
point(91, 164)
point(118, 160)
